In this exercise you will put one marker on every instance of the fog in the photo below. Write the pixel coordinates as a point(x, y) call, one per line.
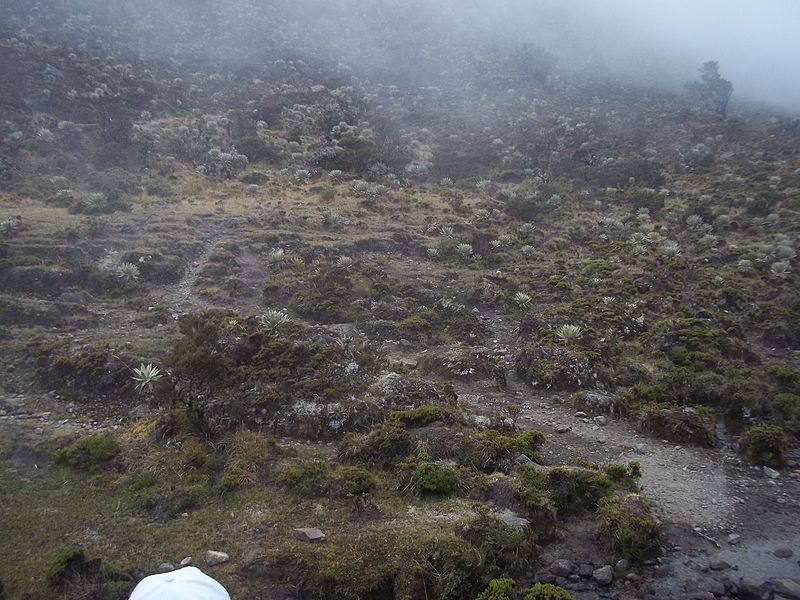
point(651, 43)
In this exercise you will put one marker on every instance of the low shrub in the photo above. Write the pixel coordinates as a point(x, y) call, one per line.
point(765, 445)
point(498, 589)
point(629, 528)
point(546, 591)
point(88, 452)
point(573, 490)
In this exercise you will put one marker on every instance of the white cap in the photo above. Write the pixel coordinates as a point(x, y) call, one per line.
point(189, 583)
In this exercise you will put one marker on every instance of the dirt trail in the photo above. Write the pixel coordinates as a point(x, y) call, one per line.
point(181, 296)
point(687, 485)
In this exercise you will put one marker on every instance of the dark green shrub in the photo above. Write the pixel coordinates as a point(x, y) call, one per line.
point(498, 589)
point(88, 452)
point(574, 490)
point(307, 478)
point(765, 445)
point(787, 405)
point(385, 445)
point(629, 528)
point(546, 591)
point(355, 481)
point(437, 480)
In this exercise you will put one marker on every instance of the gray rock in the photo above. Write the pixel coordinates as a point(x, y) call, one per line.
point(166, 567)
point(622, 565)
point(771, 473)
point(562, 428)
point(585, 570)
point(749, 590)
point(581, 415)
point(600, 420)
point(522, 459)
point(734, 538)
point(783, 552)
point(706, 584)
point(513, 520)
point(604, 575)
point(717, 564)
point(308, 534)
point(72, 297)
point(213, 557)
point(562, 567)
point(786, 587)
point(599, 403)
point(186, 561)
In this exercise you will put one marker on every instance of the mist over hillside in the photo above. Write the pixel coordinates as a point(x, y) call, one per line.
point(659, 44)
point(404, 300)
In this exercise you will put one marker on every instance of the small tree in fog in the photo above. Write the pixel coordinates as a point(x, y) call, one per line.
point(532, 62)
point(714, 92)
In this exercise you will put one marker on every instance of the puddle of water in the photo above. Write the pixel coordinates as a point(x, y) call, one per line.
point(757, 561)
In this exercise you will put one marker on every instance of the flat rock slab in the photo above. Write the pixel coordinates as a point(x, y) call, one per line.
point(790, 588)
point(308, 534)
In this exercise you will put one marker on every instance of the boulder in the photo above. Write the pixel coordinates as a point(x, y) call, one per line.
point(783, 586)
point(604, 575)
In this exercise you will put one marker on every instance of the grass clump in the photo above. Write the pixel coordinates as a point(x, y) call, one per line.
point(629, 528)
point(546, 591)
point(765, 445)
point(386, 445)
point(88, 452)
point(315, 478)
point(498, 589)
point(497, 445)
point(423, 415)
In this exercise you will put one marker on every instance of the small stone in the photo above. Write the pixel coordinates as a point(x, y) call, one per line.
point(562, 567)
point(562, 428)
point(522, 459)
point(717, 564)
point(622, 565)
point(771, 473)
point(186, 561)
point(600, 420)
point(585, 570)
point(308, 534)
point(604, 575)
point(783, 552)
point(734, 538)
point(214, 557)
point(580, 415)
point(165, 567)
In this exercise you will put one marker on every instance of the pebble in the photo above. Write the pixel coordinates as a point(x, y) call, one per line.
point(734, 538)
point(213, 557)
point(783, 552)
point(186, 561)
point(308, 534)
point(562, 567)
point(771, 473)
point(165, 567)
point(563, 428)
